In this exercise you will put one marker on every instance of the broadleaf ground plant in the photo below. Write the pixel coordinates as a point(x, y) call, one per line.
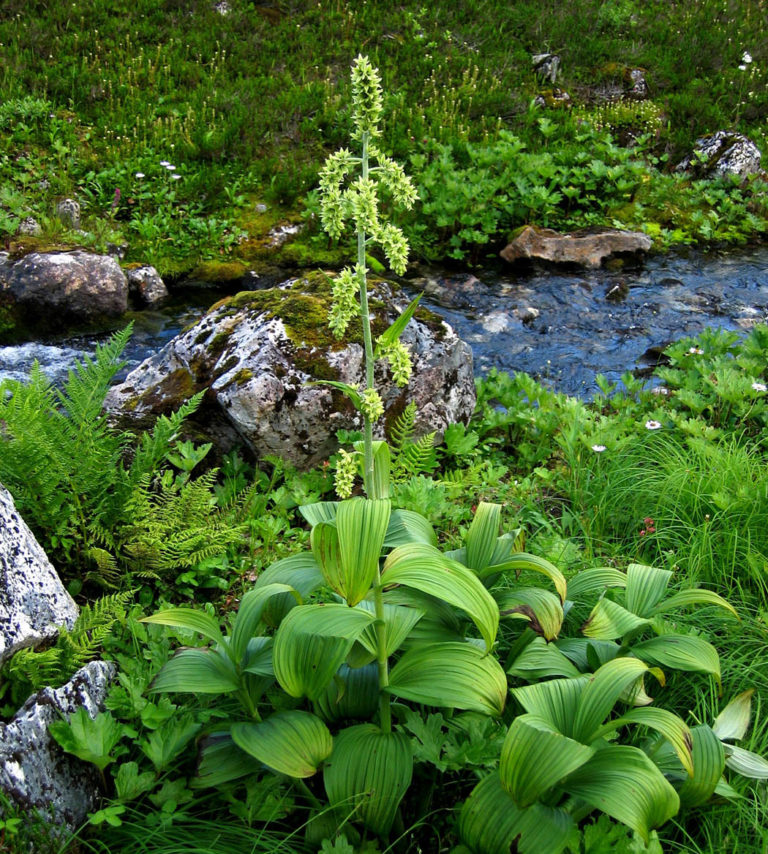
point(304, 679)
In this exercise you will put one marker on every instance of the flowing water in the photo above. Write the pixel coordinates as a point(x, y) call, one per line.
point(563, 328)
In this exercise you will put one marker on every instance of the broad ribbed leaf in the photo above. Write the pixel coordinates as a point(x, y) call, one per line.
point(406, 526)
point(601, 692)
point(187, 618)
point(667, 724)
point(491, 823)
point(556, 701)
point(222, 761)
point(424, 568)
point(482, 535)
point(352, 694)
point(399, 622)
point(541, 608)
point(249, 614)
point(320, 511)
point(733, 722)
point(694, 596)
point(708, 765)
point(595, 580)
point(368, 774)
point(311, 644)
point(257, 658)
point(506, 545)
point(624, 783)
point(196, 671)
point(746, 763)
point(450, 675)
point(681, 652)
point(609, 620)
point(535, 757)
point(301, 572)
point(380, 486)
point(362, 525)
point(293, 743)
point(587, 653)
point(324, 541)
point(540, 660)
point(523, 561)
point(645, 587)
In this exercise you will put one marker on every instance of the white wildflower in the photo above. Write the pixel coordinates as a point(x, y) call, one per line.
point(598, 449)
point(759, 387)
point(652, 425)
point(746, 58)
point(139, 174)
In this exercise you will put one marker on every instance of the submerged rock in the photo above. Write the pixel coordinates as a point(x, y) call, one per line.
point(35, 773)
point(257, 352)
point(587, 249)
point(722, 153)
point(33, 602)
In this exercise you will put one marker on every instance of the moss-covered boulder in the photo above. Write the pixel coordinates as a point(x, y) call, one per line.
point(257, 353)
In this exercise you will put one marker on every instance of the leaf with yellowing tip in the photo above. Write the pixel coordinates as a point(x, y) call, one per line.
point(424, 568)
point(733, 722)
point(291, 742)
point(521, 561)
point(535, 758)
point(609, 620)
point(694, 596)
point(541, 608)
point(450, 675)
point(595, 580)
point(645, 587)
point(680, 652)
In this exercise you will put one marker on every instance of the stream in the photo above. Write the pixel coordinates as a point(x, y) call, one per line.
point(561, 327)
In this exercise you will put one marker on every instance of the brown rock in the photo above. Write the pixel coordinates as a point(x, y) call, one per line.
point(581, 249)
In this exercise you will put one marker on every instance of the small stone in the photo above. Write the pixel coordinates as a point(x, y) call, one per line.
point(146, 286)
point(68, 211)
point(29, 227)
point(527, 314)
point(546, 65)
point(617, 291)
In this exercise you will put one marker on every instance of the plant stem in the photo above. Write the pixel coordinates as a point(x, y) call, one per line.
point(385, 712)
point(367, 340)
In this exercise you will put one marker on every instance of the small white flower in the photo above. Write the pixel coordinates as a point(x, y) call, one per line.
point(175, 176)
point(696, 351)
point(746, 58)
point(598, 449)
point(169, 167)
point(742, 68)
point(653, 425)
point(659, 389)
point(759, 387)
point(139, 174)
point(165, 163)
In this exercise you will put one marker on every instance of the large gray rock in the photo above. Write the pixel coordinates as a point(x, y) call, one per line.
point(33, 602)
point(57, 287)
point(35, 773)
point(255, 354)
point(722, 153)
point(589, 249)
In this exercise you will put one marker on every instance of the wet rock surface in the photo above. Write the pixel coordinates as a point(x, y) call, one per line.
point(33, 602)
point(35, 773)
point(722, 153)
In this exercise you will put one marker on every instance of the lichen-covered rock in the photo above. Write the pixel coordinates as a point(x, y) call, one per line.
point(33, 602)
point(255, 353)
point(587, 249)
point(58, 287)
point(35, 773)
point(722, 153)
point(68, 211)
point(146, 286)
point(546, 65)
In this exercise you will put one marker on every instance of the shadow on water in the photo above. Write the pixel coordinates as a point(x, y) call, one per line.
point(563, 328)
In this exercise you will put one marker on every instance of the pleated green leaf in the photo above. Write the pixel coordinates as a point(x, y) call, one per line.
point(491, 823)
point(352, 694)
point(293, 742)
point(708, 766)
point(399, 622)
point(482, 535)
point(362, 525)
point(450, 675)
point(311, 644)
point(222, 761)
point(424, 568)
point(257, 658)
point(609, 620)
point(541, 608)
point(196, 671)
point(680, 652)
point(588, 653)
point(646, 585)
point(187, 618)
point(622, 782)
point(541, 660)
point(746, 763)
point(667, 724)
point(523, 561)
point(601, 693)
point(595, 580)
point(556, 701)
point(694, 596)
point(320, 511)
point(301, 572)
point(733, 722)
point(249, 614)
point(535, 757)
point(324, 541)
point(406, 526)
point(368, 774)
